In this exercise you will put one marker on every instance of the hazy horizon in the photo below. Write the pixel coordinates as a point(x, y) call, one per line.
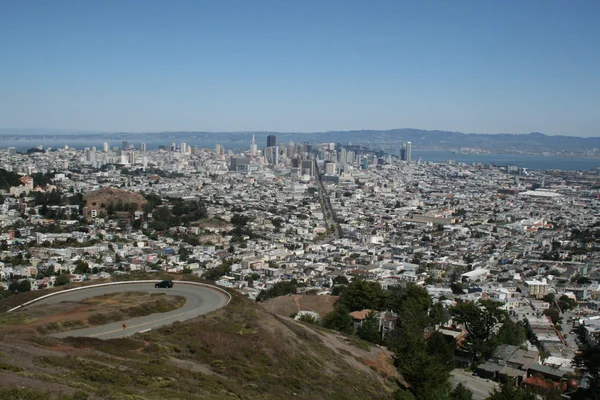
point(59, 131)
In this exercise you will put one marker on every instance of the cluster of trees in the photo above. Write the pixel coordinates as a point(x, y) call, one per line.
point(587, 361)
point(154, 200)
point(18, 259)
point(52, 198)
point(279, 289)
point(182, 212)
point(214, 274)
point(479, 319)
point(42, 178)
point(425, 361)
point(56, 198)
point(586, 235)
point(8, 179)
point(19, 287)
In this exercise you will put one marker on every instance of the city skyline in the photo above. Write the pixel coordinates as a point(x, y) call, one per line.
point(275, 66)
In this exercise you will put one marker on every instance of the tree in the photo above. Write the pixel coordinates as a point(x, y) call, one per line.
point(62, 279)
point(369, 329)
point(24, 286)
point(183, 253)
point(509, 391)
point(429, 379)
point(403, 395)
point(361, 295)
point(587, 360)
point(566, 303)
point(438, 315)
point(460, 392)
point(584, 280)
point(279, 289)
point(214, 274)
point(550, 297)
point(81, 267)
point(511, 333)
point(442, 350)
point(554, 315)
point(397, 297)
point(339, 320)
point(479, 320)
point(340, 280)
point(425, 365)
point(457, 288)
point(14, 287)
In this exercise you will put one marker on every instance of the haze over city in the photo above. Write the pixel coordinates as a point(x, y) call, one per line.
point(311, 66)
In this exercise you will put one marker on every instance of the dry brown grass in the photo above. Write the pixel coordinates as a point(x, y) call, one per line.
point(241, 351)
point(106, 196)
point(286, 305)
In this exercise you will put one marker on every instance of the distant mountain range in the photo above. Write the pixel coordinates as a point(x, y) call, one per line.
point(421, 139)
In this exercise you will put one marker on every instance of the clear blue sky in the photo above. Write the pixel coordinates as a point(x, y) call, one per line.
point(301, 65)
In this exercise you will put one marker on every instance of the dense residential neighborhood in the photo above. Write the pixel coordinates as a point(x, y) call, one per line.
point(291, 218)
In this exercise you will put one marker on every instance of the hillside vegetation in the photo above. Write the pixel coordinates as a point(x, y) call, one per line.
point(239, 352)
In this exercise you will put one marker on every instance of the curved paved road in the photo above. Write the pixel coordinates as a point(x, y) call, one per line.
point(200, 300)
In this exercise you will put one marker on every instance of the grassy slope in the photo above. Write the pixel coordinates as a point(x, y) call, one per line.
point(240, 352)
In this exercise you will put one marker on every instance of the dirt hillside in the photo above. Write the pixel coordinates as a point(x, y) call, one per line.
point(287, 305)
point(106, 196)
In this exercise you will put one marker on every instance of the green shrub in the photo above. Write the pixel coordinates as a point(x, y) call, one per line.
point(10, 367)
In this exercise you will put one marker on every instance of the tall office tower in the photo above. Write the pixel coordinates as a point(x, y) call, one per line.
point(290, 150)
point(271, 141)
point(92, 158)
point(131, 157)
point(272, 155)
point(143, 146)
point(183, 148)
point(218, 148)
point(403, 154)
point(308, 167)
point(105, 147)
point(12, 151)
point(124, 145)
point(408, 151)
point(173, 146)
point(329, 168)
point(253, 147)
point(350, 156)
point(295, 161)
point(308, 149)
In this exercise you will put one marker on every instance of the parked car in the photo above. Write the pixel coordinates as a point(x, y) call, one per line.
point(164, 284)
